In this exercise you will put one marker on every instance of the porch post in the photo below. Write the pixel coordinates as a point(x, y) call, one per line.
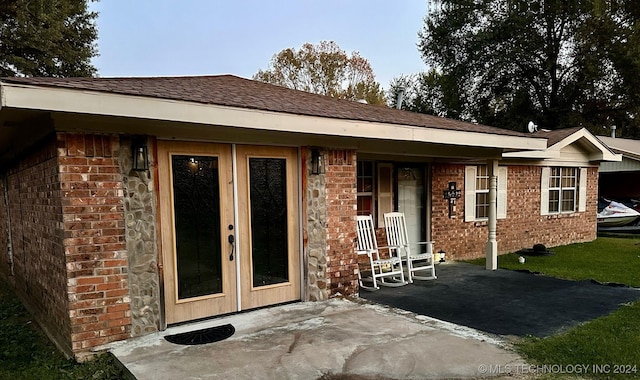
point(491, 249)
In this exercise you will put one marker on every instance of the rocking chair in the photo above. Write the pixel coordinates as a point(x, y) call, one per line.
point(398, 240)
point(381, 269)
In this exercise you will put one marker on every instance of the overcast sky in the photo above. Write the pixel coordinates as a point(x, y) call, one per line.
point(208, 37)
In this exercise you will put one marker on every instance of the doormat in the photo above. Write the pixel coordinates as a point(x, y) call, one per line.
point(204, 336)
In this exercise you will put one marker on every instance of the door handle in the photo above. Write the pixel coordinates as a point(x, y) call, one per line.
point(232, 240)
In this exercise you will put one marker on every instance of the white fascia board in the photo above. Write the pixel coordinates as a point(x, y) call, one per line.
point(533, 154)
point(612, 157)
point(109, 104)
point(554, 154)
point(605, 152)
point(555, 151)
point(628, 154)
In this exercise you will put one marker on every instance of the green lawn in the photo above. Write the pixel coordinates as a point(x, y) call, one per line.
point(26, 353)
point(605, 259)
point(608, 346)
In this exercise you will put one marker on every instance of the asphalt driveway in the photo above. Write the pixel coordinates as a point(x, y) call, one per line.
point(505, 302)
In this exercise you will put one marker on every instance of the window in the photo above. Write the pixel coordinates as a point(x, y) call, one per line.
point(376, 189)
point(365, 187)
point(482, 192)
point(476, 193)
point(563, 190)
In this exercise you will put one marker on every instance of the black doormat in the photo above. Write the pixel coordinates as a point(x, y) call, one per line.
point(204, 336)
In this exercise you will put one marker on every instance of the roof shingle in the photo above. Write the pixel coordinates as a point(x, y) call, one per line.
point(233, 91)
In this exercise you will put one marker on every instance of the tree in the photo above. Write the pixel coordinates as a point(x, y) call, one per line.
point(324, 69)
point(426, 92)
point(559, 63)
point(53, 38)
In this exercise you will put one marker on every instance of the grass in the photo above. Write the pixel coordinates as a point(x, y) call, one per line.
point(26, 353)
point(607, 260)
point(609, 343)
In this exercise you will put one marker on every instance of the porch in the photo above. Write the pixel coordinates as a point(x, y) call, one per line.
point(504, 302)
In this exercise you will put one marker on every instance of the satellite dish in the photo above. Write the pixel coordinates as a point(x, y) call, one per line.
point(531, 127)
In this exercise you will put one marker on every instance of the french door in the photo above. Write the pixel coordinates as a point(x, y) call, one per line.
point(229, 226)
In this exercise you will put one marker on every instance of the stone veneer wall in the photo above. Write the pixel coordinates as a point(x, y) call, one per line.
point(140, 226)
point(523, 227)
point(331, 206)
point(315, 243)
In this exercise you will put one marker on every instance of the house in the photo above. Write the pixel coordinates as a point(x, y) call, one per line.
point(621, 180)
point(134, 203)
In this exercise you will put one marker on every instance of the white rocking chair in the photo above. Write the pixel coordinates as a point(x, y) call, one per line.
point(398, 240)
point(381, 269)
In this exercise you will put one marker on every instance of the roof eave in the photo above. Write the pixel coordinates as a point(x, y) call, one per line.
point(29, 97)
point(601, 152)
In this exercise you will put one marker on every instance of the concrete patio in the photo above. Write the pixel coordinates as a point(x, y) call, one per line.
point(457, 326)
point(354, 339)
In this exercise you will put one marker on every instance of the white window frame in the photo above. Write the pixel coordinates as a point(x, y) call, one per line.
point(470, 192)
point(580, 190)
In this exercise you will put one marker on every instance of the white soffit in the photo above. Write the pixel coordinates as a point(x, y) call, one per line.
point(110, 104)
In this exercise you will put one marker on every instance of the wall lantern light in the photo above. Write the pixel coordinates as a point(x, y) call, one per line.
point(317, 162)
point(140, 155)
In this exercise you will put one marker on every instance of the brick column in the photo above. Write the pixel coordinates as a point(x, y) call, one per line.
point(341, 191)
point(94, 240)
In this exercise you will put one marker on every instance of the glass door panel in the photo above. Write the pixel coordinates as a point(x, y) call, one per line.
point(195, 182)
point(411, 197)
point(268, 225)
point(196, 200)
point(268, 199)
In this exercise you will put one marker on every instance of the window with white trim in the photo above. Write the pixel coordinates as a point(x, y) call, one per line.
point(482, 192)
point(563, 189)
point(476, 191)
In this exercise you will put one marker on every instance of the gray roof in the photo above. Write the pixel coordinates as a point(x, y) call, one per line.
point(627, 147)
point(233, 91)
point(555, 136)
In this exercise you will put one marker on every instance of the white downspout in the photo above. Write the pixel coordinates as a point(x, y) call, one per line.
point(492, 244)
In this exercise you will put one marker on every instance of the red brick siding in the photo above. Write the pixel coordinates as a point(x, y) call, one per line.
point(523, 227)
point(37, 231)
point(94, 239)
point(342, 262)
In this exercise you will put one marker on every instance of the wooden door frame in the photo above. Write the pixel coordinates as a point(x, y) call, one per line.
point(250, 297)
point(221, 303)
point(294, 191)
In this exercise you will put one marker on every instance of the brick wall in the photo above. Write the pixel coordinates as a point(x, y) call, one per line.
point(94, 240)
point(67, 226)
point(341, 193)
point(39, 265)
point(5, 248)
point(523, 227)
